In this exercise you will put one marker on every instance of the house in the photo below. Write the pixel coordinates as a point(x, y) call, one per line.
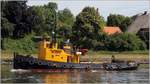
point(140, 26)
point(111, 30)
point(141, 21)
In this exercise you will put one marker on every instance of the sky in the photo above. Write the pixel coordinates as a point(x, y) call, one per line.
point(124, 7)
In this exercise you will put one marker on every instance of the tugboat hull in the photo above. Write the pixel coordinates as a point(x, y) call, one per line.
point(27, 62)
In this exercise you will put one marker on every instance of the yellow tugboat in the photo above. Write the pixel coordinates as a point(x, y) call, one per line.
point(52, 57)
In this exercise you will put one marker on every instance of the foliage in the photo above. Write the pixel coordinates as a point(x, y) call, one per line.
point(86, 27)
point(65, 23)
point(36, 19)
point(15, 13)
point(125, 23)
point(7, 28)
point(43, 18)
point(116, 42)
point(119, 20)
point(20, 23)
point(23, 45)
point(125, 42)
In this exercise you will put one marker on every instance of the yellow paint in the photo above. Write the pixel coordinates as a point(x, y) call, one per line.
point(50, 51)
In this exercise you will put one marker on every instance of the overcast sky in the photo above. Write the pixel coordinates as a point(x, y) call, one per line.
point(126, 7)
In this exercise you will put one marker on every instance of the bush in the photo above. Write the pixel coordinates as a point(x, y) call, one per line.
point(116, 42)
point(126, 42)
point(23, 45)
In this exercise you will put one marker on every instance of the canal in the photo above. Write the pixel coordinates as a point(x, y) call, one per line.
point(139, 76)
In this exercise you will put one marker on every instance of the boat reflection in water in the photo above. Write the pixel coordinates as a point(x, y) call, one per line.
point(64, 77)
point(54, 78)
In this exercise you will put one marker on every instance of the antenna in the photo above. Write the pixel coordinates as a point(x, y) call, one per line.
point(54, 29)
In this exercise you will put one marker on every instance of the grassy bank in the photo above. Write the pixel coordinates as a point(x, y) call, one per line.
point(8, 55)
point(22, 45)
point(102, 56)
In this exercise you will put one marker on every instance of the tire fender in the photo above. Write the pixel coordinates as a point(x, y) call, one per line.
point(31, 62)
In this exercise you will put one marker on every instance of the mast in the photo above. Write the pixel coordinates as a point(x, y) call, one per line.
point(54, 41)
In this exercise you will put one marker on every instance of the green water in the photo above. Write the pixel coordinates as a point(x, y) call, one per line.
point(140, 76)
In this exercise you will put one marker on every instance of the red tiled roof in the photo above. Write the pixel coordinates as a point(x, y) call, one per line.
point(112, 30)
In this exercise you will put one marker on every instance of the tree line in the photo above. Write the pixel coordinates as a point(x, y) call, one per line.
point(84, 31)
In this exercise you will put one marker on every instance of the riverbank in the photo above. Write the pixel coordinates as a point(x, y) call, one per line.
point(100, 56)
point(105, 56)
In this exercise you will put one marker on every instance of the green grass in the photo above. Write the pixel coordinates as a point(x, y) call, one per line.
point(8, 55)
point(102, 56)
point(23, 45)
point(123, 52)
point(144, 66)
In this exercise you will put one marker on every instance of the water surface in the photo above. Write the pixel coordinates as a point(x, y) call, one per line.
point(9, 75)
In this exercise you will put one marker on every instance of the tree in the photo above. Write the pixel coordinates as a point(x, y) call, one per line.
point(39, 19)
point(65, 23)
point(125, 42)
point(7, 28)
point(87, 26)
point(124, 25)
point(115, 20)
point(42, 18)
point(65, 17)
point(119, 20)
point(14, 12)
point(51, 5)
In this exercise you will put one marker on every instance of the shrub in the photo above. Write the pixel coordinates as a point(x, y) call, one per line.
point(23, 45)
point(126, 42)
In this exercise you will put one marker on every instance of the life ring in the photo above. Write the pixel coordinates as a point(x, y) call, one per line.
point(64, 66)
point(31, 62)
point(40, 63)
